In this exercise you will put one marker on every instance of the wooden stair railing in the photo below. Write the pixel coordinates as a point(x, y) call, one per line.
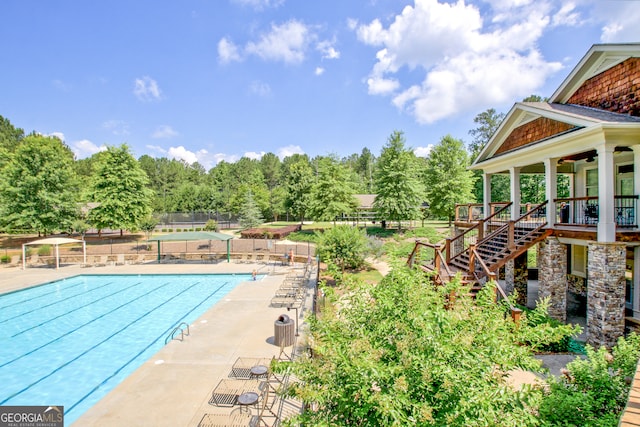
point(481, 259)
point(456, 245)
point(516, 312)
point(509, 240)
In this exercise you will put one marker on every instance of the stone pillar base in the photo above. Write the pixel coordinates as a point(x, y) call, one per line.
point(605, 293)
point(552, 276)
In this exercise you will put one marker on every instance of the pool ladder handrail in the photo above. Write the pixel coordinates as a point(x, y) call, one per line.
point(180, 329)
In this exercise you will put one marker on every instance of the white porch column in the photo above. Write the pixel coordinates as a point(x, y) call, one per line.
point(486, 182)
point(551, 188)
point(514, 175)
point(606, 191)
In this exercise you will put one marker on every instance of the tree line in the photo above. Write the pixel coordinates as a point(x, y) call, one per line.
point(44, 189)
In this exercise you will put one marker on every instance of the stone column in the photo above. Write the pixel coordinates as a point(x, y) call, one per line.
point(552, 276)
point(521, 278)
point(605, 293)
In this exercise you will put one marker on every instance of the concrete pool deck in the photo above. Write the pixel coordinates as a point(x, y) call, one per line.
point(174, 386)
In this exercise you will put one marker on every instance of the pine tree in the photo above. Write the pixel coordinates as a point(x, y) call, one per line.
point(250, 215)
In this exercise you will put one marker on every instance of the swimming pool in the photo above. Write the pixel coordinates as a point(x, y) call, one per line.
point(71, 341)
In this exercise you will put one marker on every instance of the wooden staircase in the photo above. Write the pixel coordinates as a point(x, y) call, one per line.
point(479, 251)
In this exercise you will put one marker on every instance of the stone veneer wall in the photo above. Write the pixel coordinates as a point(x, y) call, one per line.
point(605, 293)
point(552, 276)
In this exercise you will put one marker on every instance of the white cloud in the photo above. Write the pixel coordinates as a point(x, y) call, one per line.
point(157, 148)
point(318, 71)
point(289, 150)
point(85, 148)
point(287, 43)
point(423, 151)
point(182, 153)
point(567, 15)
point(327, 50)
point(253, 155)
point(619, 23)
point(259, 88)
point(58, 135)
point(228, 51)
point(466, 62)
point(163, 132)
point(229, 158)
point(147, 89)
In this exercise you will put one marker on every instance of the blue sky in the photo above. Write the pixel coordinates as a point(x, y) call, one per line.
point(211, 80)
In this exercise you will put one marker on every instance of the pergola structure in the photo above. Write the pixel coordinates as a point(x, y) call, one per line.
point(193, 235)
point(56, 242)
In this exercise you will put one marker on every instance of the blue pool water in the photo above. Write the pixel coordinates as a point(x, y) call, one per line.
point(71, 341)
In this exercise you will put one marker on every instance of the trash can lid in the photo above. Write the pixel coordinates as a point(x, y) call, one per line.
point(283, 318)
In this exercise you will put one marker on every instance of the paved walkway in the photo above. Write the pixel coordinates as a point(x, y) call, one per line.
point(174, 386)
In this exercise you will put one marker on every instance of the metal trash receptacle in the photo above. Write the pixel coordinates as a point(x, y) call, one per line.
point(284, 331)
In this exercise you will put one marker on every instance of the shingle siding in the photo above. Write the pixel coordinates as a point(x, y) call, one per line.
point(616, 89)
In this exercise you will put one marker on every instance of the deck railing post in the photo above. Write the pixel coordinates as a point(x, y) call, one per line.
point(472, 258)
point(511, 243)
point(447, 250)
point(516, 314)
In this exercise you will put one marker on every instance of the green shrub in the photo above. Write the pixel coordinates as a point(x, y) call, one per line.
point(5, 259)
point(544, 334)
point(593, 391)
point(44, 250)
point(211, 225)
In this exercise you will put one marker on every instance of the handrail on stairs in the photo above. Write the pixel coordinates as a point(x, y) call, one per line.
point(439, 260)
point(516, 312)
point(453, 247)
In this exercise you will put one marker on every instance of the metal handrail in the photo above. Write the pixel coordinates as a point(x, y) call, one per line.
point(176, 329)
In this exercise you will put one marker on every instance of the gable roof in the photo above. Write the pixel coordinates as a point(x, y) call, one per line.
point(573, 124)
point(598, 59)
point(530, 127)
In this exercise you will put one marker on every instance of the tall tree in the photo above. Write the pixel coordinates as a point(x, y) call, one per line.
point(10, 137)
point(331, 194)
point(399, 192)
point(250, 215)
point(448, 180)
point(298, 183)
point(38, 186)
point(119, 186)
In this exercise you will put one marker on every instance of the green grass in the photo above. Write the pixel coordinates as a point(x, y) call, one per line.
point(369, 276)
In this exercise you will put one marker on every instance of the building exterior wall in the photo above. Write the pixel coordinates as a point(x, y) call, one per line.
point(616, 89)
